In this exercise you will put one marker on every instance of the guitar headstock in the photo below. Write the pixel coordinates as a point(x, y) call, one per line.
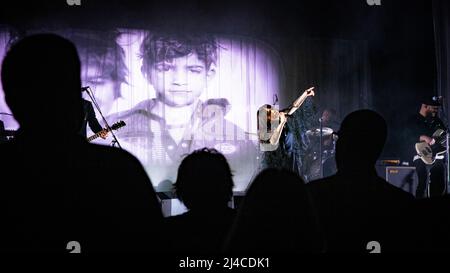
point(118, 125)
point(309, 92)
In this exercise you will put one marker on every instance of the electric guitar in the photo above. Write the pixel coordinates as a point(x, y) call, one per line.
point(268, 116)
point(115, 126)
point(428, 153)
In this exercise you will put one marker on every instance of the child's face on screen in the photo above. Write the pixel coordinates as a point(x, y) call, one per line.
point(179, 82)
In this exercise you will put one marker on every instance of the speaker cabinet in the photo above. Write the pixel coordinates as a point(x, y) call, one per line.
point(402, 177)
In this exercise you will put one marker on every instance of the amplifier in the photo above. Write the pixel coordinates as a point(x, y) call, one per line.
point(402, 177)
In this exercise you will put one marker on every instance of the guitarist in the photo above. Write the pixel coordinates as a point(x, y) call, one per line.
point(90, 118)
point(421, 128)
point(281, 134)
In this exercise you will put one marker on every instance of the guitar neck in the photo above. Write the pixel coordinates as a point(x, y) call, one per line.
point(89, 139)
point(297, 103)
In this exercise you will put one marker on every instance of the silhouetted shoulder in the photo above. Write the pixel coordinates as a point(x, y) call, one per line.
point(121, 168)
point(319, 182)
point(375, 186)
point(225, 215)
point(109, 156)
point(320, 185)
point(394, 191)
point(199, 232)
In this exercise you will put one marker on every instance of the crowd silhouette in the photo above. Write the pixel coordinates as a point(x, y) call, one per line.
point(57, 189)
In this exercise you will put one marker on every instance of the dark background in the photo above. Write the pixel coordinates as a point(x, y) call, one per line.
point(399, 34)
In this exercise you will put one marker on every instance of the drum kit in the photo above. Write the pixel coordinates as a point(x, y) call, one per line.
point(6, 135)
point(320, 158)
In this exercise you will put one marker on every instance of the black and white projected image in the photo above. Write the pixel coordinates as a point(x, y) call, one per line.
point(176, 93)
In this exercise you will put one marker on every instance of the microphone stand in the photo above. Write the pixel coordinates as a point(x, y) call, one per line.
point(447, 150)
point(320, 148)
point(447, 161)
point(444, 116)
point(94, 101)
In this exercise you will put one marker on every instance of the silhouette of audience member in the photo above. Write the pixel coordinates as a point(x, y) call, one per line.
point(430, 231)
point(204, 184)
point(61, 189)
point(275, 216)
point(355, 206)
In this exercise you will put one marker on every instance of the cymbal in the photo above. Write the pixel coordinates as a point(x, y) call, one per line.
point(316, 132)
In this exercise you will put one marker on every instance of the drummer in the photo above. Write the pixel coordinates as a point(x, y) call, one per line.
point(329, 120)
point(329, 125)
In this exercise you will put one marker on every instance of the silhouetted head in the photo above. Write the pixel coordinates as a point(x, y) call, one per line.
point(266, 187)
point(41, 81)
point(204, 180)
point(361, 139)
point(275, 216)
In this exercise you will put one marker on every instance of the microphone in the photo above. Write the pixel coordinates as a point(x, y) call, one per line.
point(437, 98)
point(85, 88)
point(275, 99)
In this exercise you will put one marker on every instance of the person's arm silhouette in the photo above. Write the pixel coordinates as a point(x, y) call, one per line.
point(91, 119)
